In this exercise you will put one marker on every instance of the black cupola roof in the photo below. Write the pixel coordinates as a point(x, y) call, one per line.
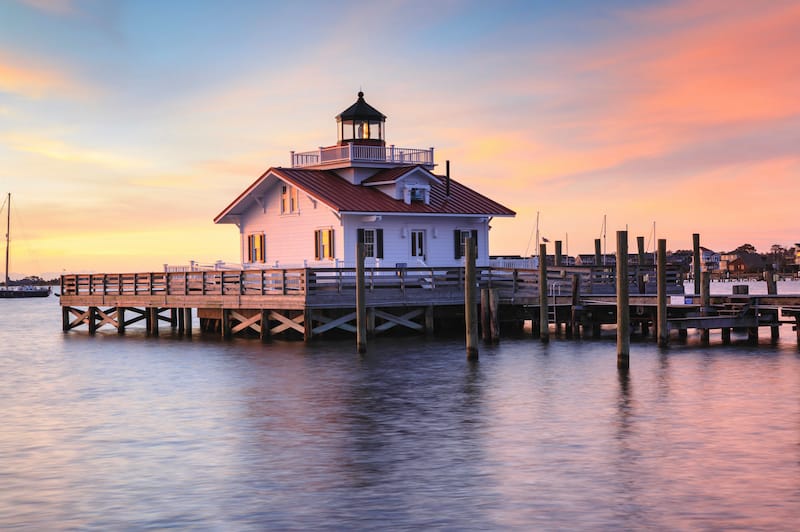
point(361, 110)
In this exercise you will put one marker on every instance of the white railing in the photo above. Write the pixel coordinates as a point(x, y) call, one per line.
point(360, 153)
point(195, 266)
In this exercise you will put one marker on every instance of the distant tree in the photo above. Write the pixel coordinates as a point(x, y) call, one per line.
point(745, 248)
point(777, 256)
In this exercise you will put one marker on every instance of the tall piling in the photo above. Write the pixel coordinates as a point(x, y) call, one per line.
point(623, 303)
point(772, 290)
point(705, 303)
point(361, 301)
point(470, 304)
point(544, 322)
point(696, 263)
point(559, 258)
point(597, 253)
point(661, 289)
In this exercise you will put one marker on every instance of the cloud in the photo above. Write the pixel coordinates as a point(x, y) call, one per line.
point(62, 151)
point(36, 80)
point(52, 7)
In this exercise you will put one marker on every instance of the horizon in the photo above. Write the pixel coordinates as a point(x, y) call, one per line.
point(127, 126)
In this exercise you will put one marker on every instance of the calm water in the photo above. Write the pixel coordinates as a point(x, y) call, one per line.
point(105, 432)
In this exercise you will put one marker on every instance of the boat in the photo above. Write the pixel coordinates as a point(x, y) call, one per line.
point(14, 292)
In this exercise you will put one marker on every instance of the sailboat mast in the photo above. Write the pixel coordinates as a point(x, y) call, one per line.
point(8, 234)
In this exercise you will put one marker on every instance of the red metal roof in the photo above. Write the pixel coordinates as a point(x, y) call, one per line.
point(343, 196)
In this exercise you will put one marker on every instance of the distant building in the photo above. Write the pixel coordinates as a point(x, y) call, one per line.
point(746, 263)
point(709, 260)
point(360, 190)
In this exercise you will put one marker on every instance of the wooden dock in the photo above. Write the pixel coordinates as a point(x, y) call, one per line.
point(306, 303)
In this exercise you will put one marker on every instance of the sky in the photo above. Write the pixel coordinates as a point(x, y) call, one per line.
point(126, 126)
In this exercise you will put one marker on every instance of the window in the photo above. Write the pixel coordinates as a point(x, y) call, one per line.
point(323, 244)
point(373, 242)
point(460, 237)
point(256, 248)
point(417, 194)
point(289, 199)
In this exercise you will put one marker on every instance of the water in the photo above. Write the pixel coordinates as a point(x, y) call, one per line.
point(108, 433)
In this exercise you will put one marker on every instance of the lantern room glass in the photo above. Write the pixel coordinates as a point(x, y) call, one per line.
point(360, 130)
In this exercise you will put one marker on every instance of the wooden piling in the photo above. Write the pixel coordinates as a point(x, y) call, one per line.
point(705, 303)
point(558, 257)
point(361, 301)
point(772, 290)
point(225, 325)
point(486, 332)
point(623, 303)
point(187, 319)
point(494, 315)
point(92, 320)
point(265, 333)
point(470, 304)
point(696, 262)
point(544, 324)
point(597, 252)
point(64, 317)
point(661, 290)
point(429, 323)
point(574, 329)
point(154, 321)
point(120, 320)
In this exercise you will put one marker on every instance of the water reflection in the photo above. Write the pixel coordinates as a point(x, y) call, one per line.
point(129, 433)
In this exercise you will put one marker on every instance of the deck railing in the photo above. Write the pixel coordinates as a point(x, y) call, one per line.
point(363, 154)
point(311, 282)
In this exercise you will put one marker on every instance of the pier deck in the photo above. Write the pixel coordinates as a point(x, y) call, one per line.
point(313, 301)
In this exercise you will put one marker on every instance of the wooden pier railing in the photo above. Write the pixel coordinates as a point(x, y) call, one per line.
point(512, 284)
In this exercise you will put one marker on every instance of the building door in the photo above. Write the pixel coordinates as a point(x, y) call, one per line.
point(418, 245)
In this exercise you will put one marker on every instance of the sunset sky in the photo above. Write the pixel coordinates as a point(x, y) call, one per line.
point(126, 126)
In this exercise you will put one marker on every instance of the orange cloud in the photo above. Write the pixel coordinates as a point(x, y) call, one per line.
point(38, 80)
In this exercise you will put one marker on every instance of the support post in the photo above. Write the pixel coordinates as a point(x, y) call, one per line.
point(559, 258)
point(772, 289)
point(173, 317)
point(696, 262)
point(494, 315)
point(154, 320)
point(187, 319)
point(726, 335)
point(486, 316)
point(575, 301)
point(361, 301)
point(597, 253)
point(92, 320)
point(623, 303)
point(705, 303)
point(308, 323)
point(470, 310)
point(225, 324)
point(64, 315)
point(429, 327)
point(265, 333)
point(661, 289)
point(544, 323)
point(121, 320)
point(179, 316)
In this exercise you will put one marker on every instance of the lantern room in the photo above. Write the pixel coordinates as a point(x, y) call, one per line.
point(361, 124)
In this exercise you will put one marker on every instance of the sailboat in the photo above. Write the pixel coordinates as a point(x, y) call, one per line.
point(8, 291)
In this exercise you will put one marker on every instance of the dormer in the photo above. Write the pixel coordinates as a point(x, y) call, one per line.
point(410, 184)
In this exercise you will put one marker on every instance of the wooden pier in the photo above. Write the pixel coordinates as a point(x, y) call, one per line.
point(307, 303)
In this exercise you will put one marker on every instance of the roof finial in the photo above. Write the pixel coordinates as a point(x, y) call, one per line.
point(360, 93)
